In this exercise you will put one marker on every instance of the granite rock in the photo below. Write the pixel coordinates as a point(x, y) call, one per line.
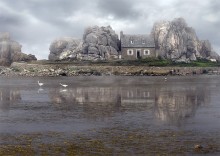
point(102, 43)
point(65, 48)
point(177, 41)
point(10, 51)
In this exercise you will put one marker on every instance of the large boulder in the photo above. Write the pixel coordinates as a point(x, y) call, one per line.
point(65, 48)
point(17, 57)
point(10, 51)
point(100, 43)
point(176, 41)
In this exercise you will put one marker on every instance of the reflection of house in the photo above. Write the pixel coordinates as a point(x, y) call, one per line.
point(137, 96)
point(137, 46)
point(104, 96)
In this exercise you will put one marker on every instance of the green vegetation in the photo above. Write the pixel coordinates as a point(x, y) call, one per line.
point(15, 69)
point(31, 69)
point(157, 62)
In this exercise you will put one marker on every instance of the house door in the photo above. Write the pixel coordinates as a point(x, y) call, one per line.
point(138, 54)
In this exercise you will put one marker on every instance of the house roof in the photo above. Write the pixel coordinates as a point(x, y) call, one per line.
point(137, 41)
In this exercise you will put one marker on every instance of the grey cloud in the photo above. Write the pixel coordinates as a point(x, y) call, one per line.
point(46, 10)
point(36, 23)
point(215, 6)
point(122, 9)
point(9, 21)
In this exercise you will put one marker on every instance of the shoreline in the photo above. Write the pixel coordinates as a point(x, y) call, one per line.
point(54, 70)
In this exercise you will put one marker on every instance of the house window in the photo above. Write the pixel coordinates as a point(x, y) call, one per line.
point(132, 41)
point(146, 52)
point(129, 52)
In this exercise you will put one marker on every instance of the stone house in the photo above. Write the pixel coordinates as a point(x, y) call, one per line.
point(137, 46)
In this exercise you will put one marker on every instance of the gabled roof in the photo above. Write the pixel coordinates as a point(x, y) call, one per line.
point(137, 41)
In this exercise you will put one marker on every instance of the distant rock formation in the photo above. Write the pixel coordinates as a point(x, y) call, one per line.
point(65, 48)
point(17, 57)
point(173, 40)
point(101, 43)
point(176, 41)
point(10, 51)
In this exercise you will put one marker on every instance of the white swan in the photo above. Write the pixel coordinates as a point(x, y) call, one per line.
point(64, 85)
point(40, 84)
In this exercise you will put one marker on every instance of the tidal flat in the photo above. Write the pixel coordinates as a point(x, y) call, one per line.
point(110, 115)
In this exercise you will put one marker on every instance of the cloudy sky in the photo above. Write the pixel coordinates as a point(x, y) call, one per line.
point(36, 23)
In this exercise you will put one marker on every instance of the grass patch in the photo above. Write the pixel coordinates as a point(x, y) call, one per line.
point(157, 62)
point(15, 69)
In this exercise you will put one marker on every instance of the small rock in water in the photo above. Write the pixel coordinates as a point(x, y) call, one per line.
point(197, 147)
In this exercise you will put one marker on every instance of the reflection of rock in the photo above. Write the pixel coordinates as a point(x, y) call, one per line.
point(95, 101)
point(85, 96)
point(8, 97)
point(102, 101)
point(175, 106)
point(172, 104)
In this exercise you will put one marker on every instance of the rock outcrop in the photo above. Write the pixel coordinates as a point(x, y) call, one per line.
point(17, 57)
point(10, 51)
point(101, 43)
point(176, 41)
point(65, 48)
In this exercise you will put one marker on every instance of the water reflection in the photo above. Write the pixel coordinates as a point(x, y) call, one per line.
point(169, 103)
point(63, 90)
point(175, 106)
point(40, 90)
point(8, 97)
point(93, 102)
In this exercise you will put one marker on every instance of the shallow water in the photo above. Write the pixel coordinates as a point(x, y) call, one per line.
point(101, 107)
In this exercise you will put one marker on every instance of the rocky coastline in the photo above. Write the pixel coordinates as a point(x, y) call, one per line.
point(55, 70)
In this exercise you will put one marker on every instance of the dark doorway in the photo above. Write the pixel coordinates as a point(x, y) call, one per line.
point(138, 54)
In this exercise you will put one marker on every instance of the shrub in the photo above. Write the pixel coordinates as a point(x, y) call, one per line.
point(15, 69)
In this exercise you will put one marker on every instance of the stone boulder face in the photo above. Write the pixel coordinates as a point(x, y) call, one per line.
point(10, 51)
point(65, 48)
point(205, 48)
point(176, 41)
point(17, 57)
point(100, 43)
